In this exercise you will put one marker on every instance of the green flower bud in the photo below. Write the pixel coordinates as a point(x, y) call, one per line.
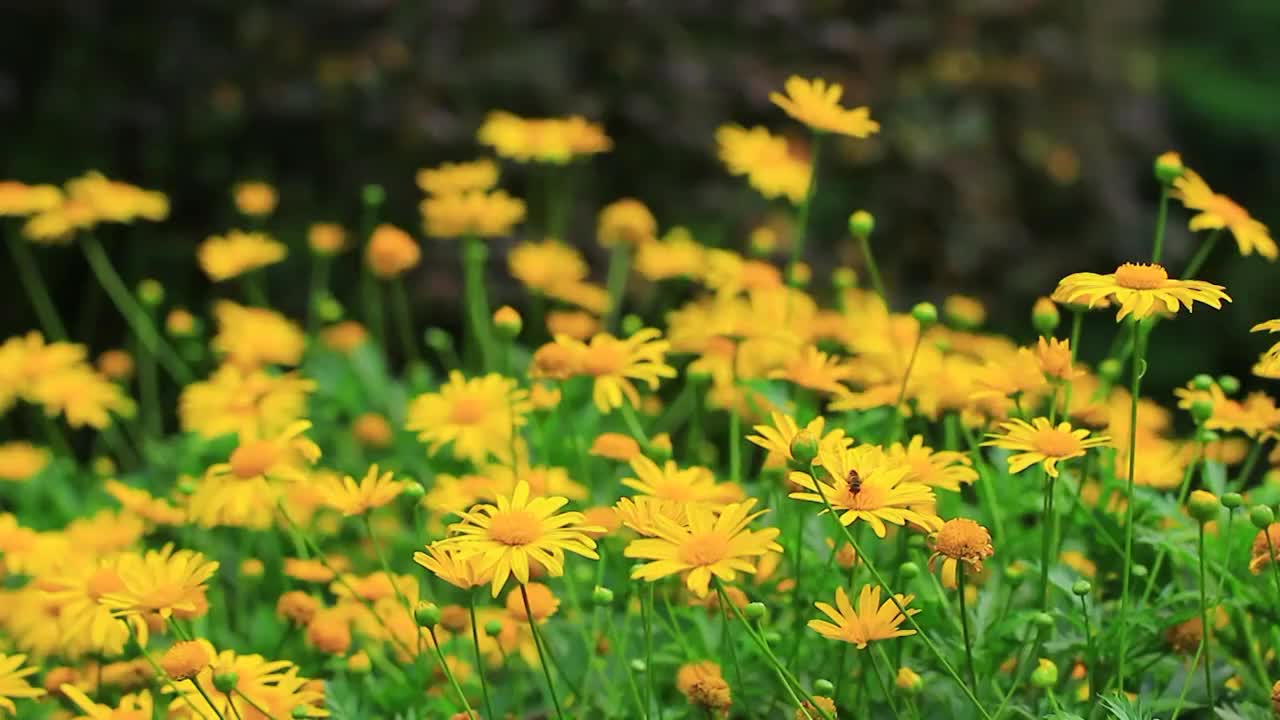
point(799, 274)
point(804, 448)
point(862, 223)
point(373, 195)
point(843, 278)
point(1015, 573)
point(1045, 675)
point(1168, 167)
point(427, 614)
point(1232, 500)
point(1043, 620)
point(632, 324)
point(225, 682)
point(1082, 587)
point(507, 321)
point(909, 571)
point(414, 490)
point(1229, 384)
point(328, 308)
point(1201, 410)
point(1202, 382)
point(755, 611)
point(637, 665)
point(437, 339)
point(823, 686)
point(773, 637)
point(150, 292)
point(925, 313)
point(493, 627)
point(1045, 316)
point(1262, 516)
point(1139, 570)
point(1109, 369)
point(1207, 436)
point(1204, 506)
point(602, 596)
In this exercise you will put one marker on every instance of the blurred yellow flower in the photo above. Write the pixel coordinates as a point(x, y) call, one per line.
point(773, 166)
point(160, 582)
point(817, 104)
point(326, 238)
point(626, 222)
point(1218, 212)
point(475, 213)
point(20, 461)
point(254, 198)
point(391, 252)
point(614, 363)
point(223, 257)
point(351, 497)
point(19, 199)
point(545, 140)
point(476, 415)
point(250, 403)
point(250, 337)
point(453, 178)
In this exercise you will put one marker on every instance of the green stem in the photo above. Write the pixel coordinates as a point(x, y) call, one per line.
point(444, 665)
point(646, 619)
point(864, 244)
point(985, 484)
point(964, 625)
point(1091, 653)
point(386, 569)
point(1046, 541)
point(475, 641)
point(255, 292)
point(33, 282)
point(1205, 627)
point(616, 283)
point(1275, 567)
point(900, 420)
point(884, 686)
point(542, 651)
point(209, 700)
point(1185, 488)
point(133, 313)
point(1135, 388)
point(633, 422)
point(802, 213)
point(1158, 246)
point(1202, 254)
point(319, 288)
point(473, 257)
point(403, 314)
point(1186, 683)
point(729, 644)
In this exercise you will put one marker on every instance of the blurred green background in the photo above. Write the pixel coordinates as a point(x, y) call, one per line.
point(1017, 143)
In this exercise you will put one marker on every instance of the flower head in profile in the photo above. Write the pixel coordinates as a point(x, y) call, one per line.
point(863, 483)
point(223, 257)
point(1140, 290)
point(459, 570)
point(614, 363)
point(1039, 441)
point(351, 497)
point(160, 582)
point(940, 469)
point(1219, 212)
point(554, 140)
point(773, 166)
point(960, 540)
point(669, 481)
point(708, 543)
point(641, 513)
point(476, 415)
point(703, 685)
point(871, 621)
point(476, 213)
point(816, 103)
point(519, 530)
point(451, 178)
point(18, 199)
point(20, 461)
point(813, 369)
point(391, 252)
point(1268, 365)
point(626, 222)
point(251, 337)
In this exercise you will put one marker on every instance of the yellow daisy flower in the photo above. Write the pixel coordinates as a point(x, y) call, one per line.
point(960, 540)
point(13, 682)
point(707, 544)
point(1140, 290)
point(817, 104)
point(160, 582)
point(519, 529)
point(813, 369)
point(476, 415)
point(254, 198)
point(252, 404)
point(452, 178)
point(223, 257)
point(1040, 442)
point(872, 620)
point(20, 461)
point(944, 469)
point(350, 497)
point(1217, 212)
point(614, 363)
point(478, 213)
point(862, 483)
point(669, 481)
point(452, 568)
point(251, 337)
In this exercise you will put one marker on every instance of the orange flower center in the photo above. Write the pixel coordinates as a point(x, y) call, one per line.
point(468, 410)
point(105, 580)
point(1136, 276)
point(963, 539)
point(603, 359)
point(1056, 443)
point(868, 497)
point(254, 459)
point(517, 527)
point(705, 548)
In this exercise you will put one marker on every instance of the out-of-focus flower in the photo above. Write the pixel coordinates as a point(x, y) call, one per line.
point(223, 257)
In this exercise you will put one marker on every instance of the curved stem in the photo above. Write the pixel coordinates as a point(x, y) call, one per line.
point(864, 244)
point(1157, 248)
point(435, 643)
point(964, 625)
point(900, 420)
point(33, 282)
point(1046, 541)
point(1091, 654)
point(1202, 254)
point(542, 651)
point(475, 641)
point(1205, 627)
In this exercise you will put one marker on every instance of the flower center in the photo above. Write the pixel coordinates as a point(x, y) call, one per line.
point(866, 497)
point(254, 459)
point(1056, 443)
point(105, 580)
point(468, 410)
point(962, 538)
point(706, 548)
point(1136, 276)
point(603, 359)
point(517, 527)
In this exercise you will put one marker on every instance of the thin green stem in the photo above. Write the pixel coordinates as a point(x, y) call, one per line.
point(802, 213)
point(729, 642)
point(633, 422)
point(964, 625)
point(873, 270)
point(133, 313)
point(318, 288)
point(900, 420)
point(985, 484)
point(453, 682)
point(386, 569)
point(616, 283)
point(646, 619)
point(884, 686)
point(1186, 683)
point(1157, 248)
point(1205, 627)
point(1046, 541)
point(1163, 552)
point(204, 694)
point(1091, 652)
point(475, 641)
point(1275, 567)
point(474, 253)
point(33, 283)
point(1202, 254)
point(403, 315)
point(543, 653)
point(1135, 388)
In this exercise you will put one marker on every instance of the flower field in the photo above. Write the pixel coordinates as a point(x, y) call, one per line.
point(707, 479)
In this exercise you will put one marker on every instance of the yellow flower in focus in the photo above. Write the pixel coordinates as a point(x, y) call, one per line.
point(1219, 212)
point(250, 337)
point(872, 620)
point(863, 483)
point(614, 363)
point(544, 140)
point(686, 485)
point(452, 568)
point(244, 491)
point(777, 438)
point(453, 178)
point(519, 530)
point(476, 415)
point(1040, 442)
point(161, 582)
point(252, 404)
point(254, 198)
point(1140, 290)
point(817, 104)
point(706, 544)
point(391, 252)
point(626, 222)
point(223, 257)
point(20, 461)
point(476, 213)
point(942, 469)
point(326, 238)
point(350, 497)
point(960, 540)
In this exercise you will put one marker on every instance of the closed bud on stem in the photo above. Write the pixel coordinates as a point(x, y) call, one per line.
point(427, 614)
point(843, 278)
point(1045, 316)
point(1229, 384)
point(659, 447)
point(507, 321)
point(1045, 675)
point(799, 274)
point(862, 223)
point(437, 339)
point(823, 686)
point(1203, 506)
point(1201, 410)
point(1262, 516)
point(804, 448)
point(632, 324)
point(1168, 167)
point(925, 313)
point(909, 570)
point(493, 627)
point(1044, 621)
point(414, 490)
point(1139, 570)
point(1232, 500)
point(151, 292)
point(373, 195)
point(755, 611)
point(773, 637)
point(1110, 369)
point(1082, 587)
point(1202, 382)
point(225, 682)
point(1206, 436)
point(602, 596)
point(328, 308)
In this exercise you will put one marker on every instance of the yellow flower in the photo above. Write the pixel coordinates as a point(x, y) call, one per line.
point(116, 364)
point(964, 311)
point(1266, 548)
point(545, 140)
point(19, 199)
point(626, 222)
point(864, 484)
point(706, 544)
point(944, 469)
point(777, 438)
point(244, 491)
point(475, 213)
point(254, 198)
point(326, 238)
point(20, 461)
point(1140, 290)
point(641, 512)
point(161, 582)
point(615, 446)
point(132, 706)
point(870, 622)
point(518, 530)
point(961, 540)
point(116, 201)
point(677, 254)
point(223, 257)
point(614, 363)
point(250, 337)
point(58, 224)
point(1219, 212)
point(686, 485)
point(817, 104)
point(274, 686)
point(811, 368)
point(476, 415)
point(771, 165)
point(703, 684)
point(13, 682)
point(81, 396)
point(144, 505)
point(1040, 442)
point(391, 252)
point(357, 498)
point(184, 660)
point(577, 324)
point(542, 602)
point(547, 265)
point(453, 178)
point(451, 567)
point(1054, 357)
point(251, 404)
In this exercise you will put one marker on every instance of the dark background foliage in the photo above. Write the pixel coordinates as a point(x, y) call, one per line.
point(1017, 142)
